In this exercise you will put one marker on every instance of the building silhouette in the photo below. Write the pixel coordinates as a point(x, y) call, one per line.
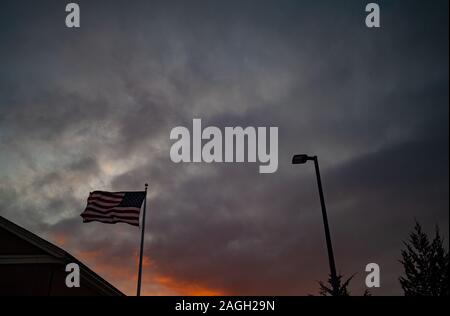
point(32, 266)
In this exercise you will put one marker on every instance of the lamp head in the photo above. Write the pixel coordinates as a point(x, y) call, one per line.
point(300, 159)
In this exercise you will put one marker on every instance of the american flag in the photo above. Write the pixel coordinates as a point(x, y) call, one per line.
point(113, 207)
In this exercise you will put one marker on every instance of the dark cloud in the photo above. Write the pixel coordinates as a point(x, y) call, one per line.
point(93, 109)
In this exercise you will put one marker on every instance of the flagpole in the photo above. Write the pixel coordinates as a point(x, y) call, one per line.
point(142, 244)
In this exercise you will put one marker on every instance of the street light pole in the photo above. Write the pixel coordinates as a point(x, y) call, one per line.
point(301, 159)
point(334, 279)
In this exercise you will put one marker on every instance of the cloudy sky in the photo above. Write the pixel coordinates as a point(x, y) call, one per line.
point(92, 108)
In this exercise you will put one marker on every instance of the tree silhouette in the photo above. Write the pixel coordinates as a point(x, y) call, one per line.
point(342, 288)
point(426, 265)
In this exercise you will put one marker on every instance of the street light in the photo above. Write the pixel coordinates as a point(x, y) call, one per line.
point(300, 160)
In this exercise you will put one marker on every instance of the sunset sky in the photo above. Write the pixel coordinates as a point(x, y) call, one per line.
point(92, 109)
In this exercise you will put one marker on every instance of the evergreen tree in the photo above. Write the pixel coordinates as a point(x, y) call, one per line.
point(342, 288)
point(426, 265)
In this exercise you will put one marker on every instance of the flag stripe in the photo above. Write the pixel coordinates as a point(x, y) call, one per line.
point(112, 221)
point(130, 212)
point(113, 215)
point(109, 194)
point(105, 198)
point(103, 204)
point(123, 216)
point(113, 209)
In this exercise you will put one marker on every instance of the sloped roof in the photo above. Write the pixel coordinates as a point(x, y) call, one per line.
point(54, 255)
